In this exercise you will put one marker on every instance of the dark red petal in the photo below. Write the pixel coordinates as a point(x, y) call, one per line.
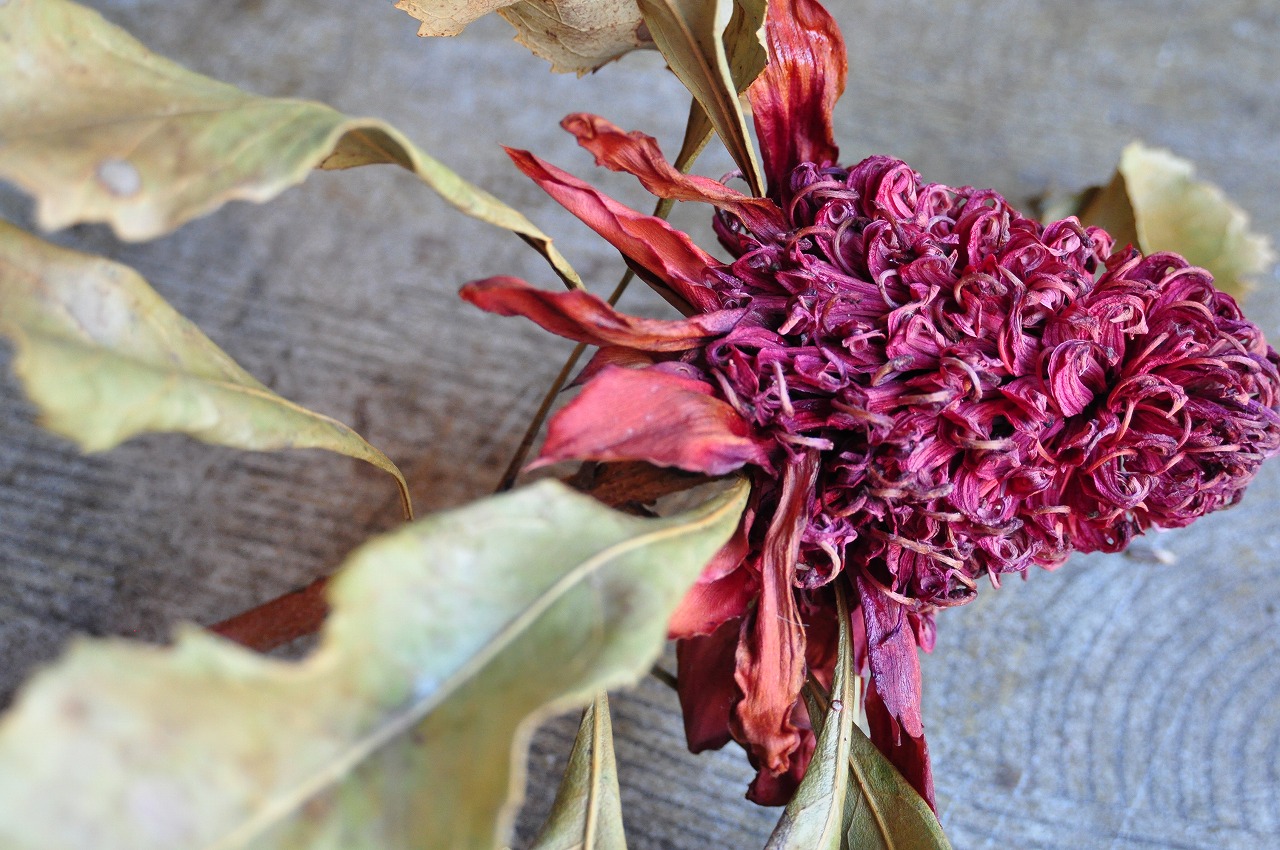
point(770, 789)
point(704, 680)
point(909, 755)
point(771, 654)
point(723, 592)
point(664, 253)
point(792, 100)
point(650, 414)
point(582, 316)
point(891, 652)
point(638, 154)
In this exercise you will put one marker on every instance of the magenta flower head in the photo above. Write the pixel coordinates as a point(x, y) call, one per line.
point(925, 386)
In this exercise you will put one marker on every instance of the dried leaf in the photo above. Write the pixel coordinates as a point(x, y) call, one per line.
point(98, 128)
point(690, 34)
point(1155, 202)
point(587, 813)
point(815, 817)
point(882, 810)
point(449, 640)
point(105, 358)
point(574, 35)
point(744, 47)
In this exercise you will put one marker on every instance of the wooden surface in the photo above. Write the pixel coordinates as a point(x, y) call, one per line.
point(1120, 703)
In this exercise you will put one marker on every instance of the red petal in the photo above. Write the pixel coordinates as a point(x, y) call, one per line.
point(891, 652)
point(909, 755)
point(792, 100)
point(704, 680)
point(771, 655)
point(638, 154)
point(583, 317)
point(650, 414)
point(769, 789)
point(659, 250)
point(723, 592)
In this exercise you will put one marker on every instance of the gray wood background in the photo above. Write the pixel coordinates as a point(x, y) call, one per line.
point(1121, 703)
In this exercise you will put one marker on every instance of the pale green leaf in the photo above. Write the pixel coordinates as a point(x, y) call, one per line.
point(574, 35)
point(690, 34)
point(449, 639)
point(105, 358)
point(882, 810)
point(1156, 203)
point(815, 817)
point(99, 129)
point(744, 47)
point(587, 813)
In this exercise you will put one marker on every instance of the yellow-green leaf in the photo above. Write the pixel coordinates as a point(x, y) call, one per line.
point(449, 639)
point(815, 817)
point(587, 813)
point(105, 358)
point(574, 35)
point(99, 129)
point(691, 36)
point(882, 810)
point(1155, 202)
point(744, 47)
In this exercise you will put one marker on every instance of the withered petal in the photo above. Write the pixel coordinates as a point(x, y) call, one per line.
point(793, 97)
point(704, 681)
point(584, 317)
point(650, 243)
point(639, 155)
point(650, 414)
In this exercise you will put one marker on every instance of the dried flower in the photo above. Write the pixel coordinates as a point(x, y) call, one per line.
point(925, 386)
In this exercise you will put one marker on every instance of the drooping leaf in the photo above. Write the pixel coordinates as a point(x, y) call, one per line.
point(449, 640)
point(105, 358)
point(690, 34)
point(815, 817)
point(882, 810)
point(574, 35)
point(99, 129)
point(587, 813)
point(1156, 203)
point(744, 48)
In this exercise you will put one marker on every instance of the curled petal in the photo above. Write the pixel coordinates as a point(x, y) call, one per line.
point(662, 253)
point(650, 414)
point(793, 98)
point(638, 154)
point(583, 317)
point(771, 654)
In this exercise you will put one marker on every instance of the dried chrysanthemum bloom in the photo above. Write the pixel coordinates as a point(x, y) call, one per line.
point(925, 386)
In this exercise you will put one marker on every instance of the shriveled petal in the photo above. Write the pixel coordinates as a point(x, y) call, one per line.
point(638, 154)
point(665, 255)
point(793, 98)
point(892, 655)
point(649, 414)
point(704, 681)
point(771, 789)
point(723, 592)
point(771, 653)
point(583, 317)
point(909, 755)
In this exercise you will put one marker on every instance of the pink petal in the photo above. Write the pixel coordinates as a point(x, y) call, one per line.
point(582, 316)
point(792, 100)
point(663, 255)
point(650, 414)
point(638, 154)
point(704, 677)
point(771, 654)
